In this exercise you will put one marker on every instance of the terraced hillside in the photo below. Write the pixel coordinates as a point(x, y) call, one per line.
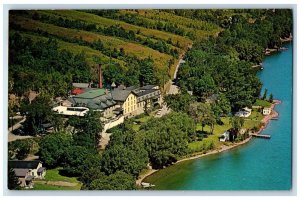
point(185, 26)
point(113, 38)
point(93, 57)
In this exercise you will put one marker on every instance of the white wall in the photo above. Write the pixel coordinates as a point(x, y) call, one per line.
point(114, 123)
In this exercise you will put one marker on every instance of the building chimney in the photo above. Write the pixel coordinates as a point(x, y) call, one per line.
point(100, 76)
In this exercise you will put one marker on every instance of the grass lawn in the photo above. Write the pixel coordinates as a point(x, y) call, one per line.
point(254, 120)
point(197, 146)
point(53, 175)
point(263, 103)
point(141, 120)
point(40, 186)
point(219, 129)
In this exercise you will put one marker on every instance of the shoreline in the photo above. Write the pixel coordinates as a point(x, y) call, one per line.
point(223, 148)
point(270, 51)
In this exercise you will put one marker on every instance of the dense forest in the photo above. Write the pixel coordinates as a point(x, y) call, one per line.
point(48, 50)
point(223, 65)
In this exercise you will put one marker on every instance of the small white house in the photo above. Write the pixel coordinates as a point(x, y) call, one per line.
point(267, 111)
point(224, 137)
point(245, 112)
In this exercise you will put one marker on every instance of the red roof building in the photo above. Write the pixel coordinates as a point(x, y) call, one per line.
point(77, 91)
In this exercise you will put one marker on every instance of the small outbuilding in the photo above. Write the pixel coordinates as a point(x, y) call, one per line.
point(267, 111)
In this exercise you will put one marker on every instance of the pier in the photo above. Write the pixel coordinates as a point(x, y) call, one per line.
point(265, 136)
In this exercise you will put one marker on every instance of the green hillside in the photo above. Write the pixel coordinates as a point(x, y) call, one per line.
point(108, 37)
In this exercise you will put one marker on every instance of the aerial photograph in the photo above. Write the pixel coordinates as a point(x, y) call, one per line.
point(150, 99)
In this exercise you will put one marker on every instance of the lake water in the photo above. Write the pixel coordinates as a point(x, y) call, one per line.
point(260, 164)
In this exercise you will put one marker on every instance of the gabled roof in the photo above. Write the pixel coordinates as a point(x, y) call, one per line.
point(22, 164)
point(21, 172)
point(120, 95)
point(148, 87)
point(41, 169)
point(131, 88)
point(144, 92)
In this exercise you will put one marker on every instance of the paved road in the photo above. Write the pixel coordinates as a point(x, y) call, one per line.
point(174, 88)
point(12, 137)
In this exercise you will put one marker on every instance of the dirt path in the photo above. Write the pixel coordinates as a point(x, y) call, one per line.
point(104, 139)
point(56, 183)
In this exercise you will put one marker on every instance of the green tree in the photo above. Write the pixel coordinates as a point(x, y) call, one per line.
point(90, 170)
point(204, 86)
point(211, 121)
point(38, 112)
point(179, 102)
point(147, 72)
point(113, 73)
point(271, 98)
point(53, 148)
point(122, 158)
point(116, 181)
point(166, 138)
point(13, 182)
point(220, 107)
point(201, 113)
point(87, 129)
point(265, 94)
point(20, 148)
point(236, 122)
point(73, 158)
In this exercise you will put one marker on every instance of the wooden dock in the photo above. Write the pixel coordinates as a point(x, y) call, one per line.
point(265, 136)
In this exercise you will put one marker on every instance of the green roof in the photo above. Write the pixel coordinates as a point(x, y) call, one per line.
point(91, 94)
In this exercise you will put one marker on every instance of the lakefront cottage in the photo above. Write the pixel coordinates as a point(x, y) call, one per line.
point(267, 111)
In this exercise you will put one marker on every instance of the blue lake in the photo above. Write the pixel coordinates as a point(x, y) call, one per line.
point(258, 165)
